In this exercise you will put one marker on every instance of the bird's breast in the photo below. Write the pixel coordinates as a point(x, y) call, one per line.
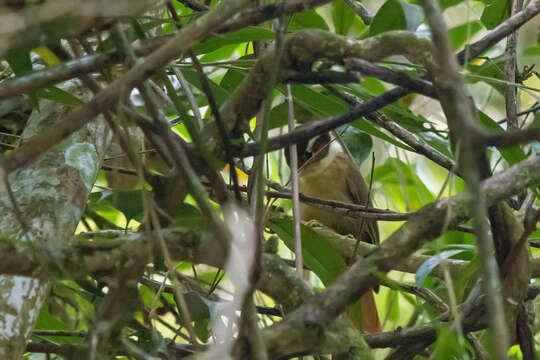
point(325, 180)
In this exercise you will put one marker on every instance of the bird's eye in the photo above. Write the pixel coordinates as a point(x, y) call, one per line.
point(309, 154)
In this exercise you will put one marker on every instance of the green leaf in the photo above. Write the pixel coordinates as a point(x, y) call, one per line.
point(197, 307)
point(319, 254)
point(392, 304)
point(491, 69)
point(189, 216)
point(425, 269)
point(448, 345)
point(325, 104)
point(58, 95)
point(368, 127)
point(201, 329)
point(279, 115)
point(449, 3)
point(396, 15)
point(233, 77)
point(358, 142)
point(128, 202)
point(463, 33)
point(247, 34)
point(220, 94)
point(307, 19)
point(19, 61)
point(342, 16)
point(495, 12)
point(511, 154)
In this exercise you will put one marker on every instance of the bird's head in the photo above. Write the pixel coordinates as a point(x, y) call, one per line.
point(311, 151)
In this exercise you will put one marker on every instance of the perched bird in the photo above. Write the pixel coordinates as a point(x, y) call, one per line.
point(325, 171)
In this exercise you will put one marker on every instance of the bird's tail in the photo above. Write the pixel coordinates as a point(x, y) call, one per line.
point(364, 314)
point(370, 315)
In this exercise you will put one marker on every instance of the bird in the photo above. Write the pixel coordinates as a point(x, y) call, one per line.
point(325, 171)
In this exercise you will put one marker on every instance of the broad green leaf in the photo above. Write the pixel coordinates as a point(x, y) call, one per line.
point(495, 12)
point(490, 69)
point(359, 143)
point(342, 16)
point(325, 104)
point(189, 216)
point(512, 154)
point(307, 19)
point(223, 52)
point(319, 254)
point(19, 61)
point(56, 94)
point(425, 269)
point(202, 329)
point(448, 345)
point(47, 321)
point(369, 128)
point(247, 34)
point(197, 307)
point(463, 33)
point(232, 78)
point(128, 202)
point(279, 115)
point(392, 305)
point(373, 86)
point(396, 15)
point(437, 142)
point(220, 94)
point(449, 3)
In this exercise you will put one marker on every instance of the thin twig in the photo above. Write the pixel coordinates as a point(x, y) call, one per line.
point(368, 201)
point(295, 189)
point(360, 10)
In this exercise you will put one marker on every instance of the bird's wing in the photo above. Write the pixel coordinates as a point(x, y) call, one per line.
point(358, 190)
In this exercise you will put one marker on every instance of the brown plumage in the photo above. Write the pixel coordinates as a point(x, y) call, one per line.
point(326, 172)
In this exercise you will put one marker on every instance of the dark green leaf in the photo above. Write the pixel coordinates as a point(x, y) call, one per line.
point(220, 94)
point(232, 78)
point(369, 128)
point(449, 3)
point(197, 307)
point(201, 329)
point(342, 16)
point(396, 15)
point(358, 142)
point(128, 202)
point(19, 61)
point(247, 34)
point(189, 216)
point(56, 94)
point(463, 33)
point(448, 345)
point(512, 154)
point(307, 19)
point(319, 254)
point(495, 12)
